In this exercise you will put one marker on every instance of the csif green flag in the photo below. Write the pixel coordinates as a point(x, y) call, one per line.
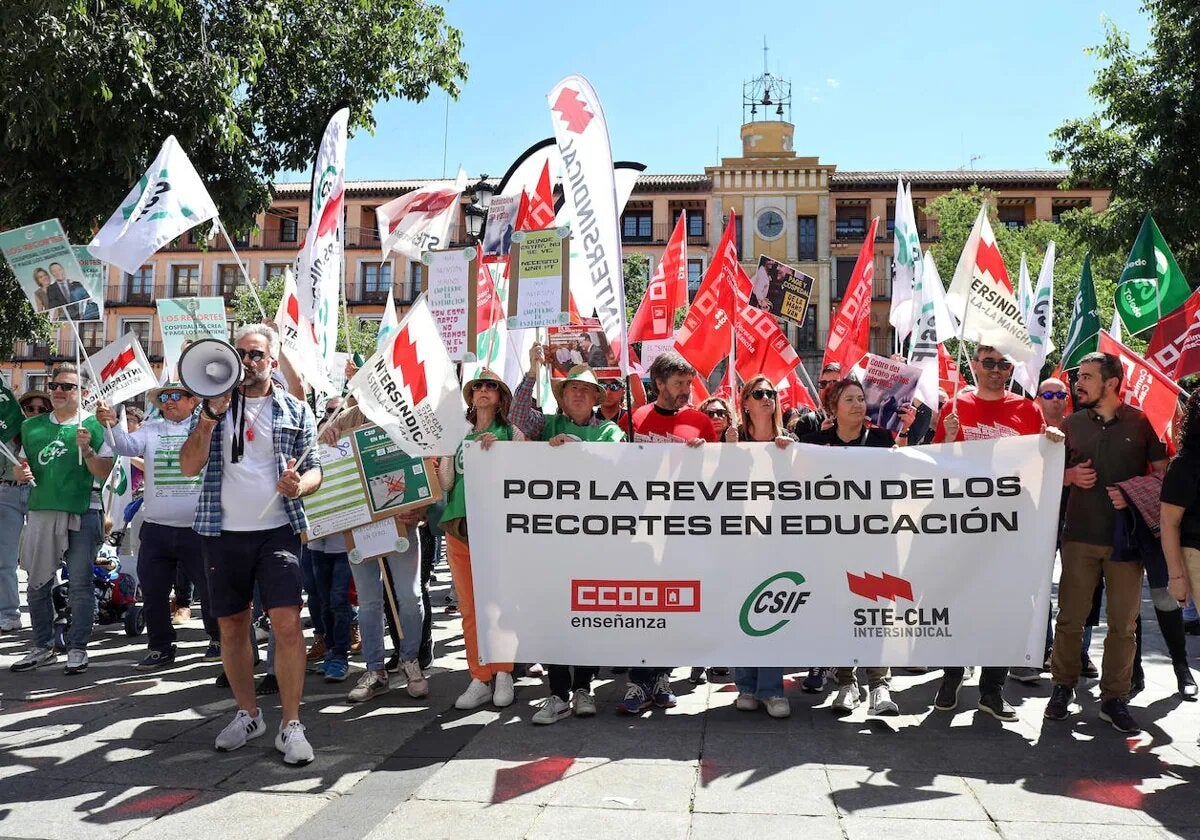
point(1152, 284)
point(11, 415)
point(1083, 333)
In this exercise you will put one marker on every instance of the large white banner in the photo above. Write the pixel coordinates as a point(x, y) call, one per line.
point(744, 554)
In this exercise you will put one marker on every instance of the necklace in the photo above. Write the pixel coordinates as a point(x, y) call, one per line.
point(254, 420)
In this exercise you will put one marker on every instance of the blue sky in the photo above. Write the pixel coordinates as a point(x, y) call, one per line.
point(924, 85)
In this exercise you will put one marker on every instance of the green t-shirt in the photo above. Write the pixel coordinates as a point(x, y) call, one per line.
point(456, 499)
point(561, 424)
point(62, 482)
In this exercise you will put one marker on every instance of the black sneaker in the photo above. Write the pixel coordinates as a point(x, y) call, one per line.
point(1087, 668)
point(1115, 711)
point(393, 664)
point(1192, 628)
point(1187, 684)
point(995, 705)
point(157, 659)
point(1059, 707)
point(697, 677)
point(267, 685)
point(212, 653)
point(222, 680)
point(947, 694)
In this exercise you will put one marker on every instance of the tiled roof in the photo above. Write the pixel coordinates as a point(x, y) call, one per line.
point(957, 177)
point(650, 181)
point(645, 182)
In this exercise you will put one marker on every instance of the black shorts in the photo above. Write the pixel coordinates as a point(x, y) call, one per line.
point(236, 561)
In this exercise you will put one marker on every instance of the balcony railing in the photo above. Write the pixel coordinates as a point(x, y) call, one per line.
point(405, 293)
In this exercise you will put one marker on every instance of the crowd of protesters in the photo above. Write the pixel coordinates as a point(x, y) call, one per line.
point(209, 465)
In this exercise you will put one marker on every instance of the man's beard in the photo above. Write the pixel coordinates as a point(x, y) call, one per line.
point(1082, 403)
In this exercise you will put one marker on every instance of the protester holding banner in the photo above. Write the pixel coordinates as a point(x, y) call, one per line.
point(1107, 442)
point(65, 455)
point(14, 505)
point(491, 408)
point(166, 539)
point(260, 449)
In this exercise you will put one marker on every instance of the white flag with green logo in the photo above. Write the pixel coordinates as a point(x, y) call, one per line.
point(907, 262)
point(169, 200)
point(118, 487)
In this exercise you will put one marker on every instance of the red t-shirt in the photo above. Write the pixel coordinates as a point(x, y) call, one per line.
point(650, 425)
point(980, 419)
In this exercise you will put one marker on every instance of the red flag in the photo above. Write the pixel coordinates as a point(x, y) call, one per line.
point(793, 394)
point(1144, 385)
point(761, 345)
point(704, 337)
point(537, 208)
point(699, 391)
point(850, 332)
point(949, 379)
point(489, 307)
point(666, 292)
point(1175, 345)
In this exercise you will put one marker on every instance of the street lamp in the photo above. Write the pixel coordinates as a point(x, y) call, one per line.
point(476, 212)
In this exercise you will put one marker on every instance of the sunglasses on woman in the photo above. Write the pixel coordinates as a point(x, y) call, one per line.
point(37, 408)
point(485, 385)
point(68, 387)
point(1054, 395)
point(716, 412)
point(173, 396)
point(762, 394)
point(612, 386)
point(255, 355)
point(992, 364)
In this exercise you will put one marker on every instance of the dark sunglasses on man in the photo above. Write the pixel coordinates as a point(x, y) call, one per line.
point(992, 364)
point(67, 387)
point(485, 385)
point(255, 355)
point(1054, 395)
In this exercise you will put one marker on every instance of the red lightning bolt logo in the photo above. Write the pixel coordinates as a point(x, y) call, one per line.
point(412, 369)
point(873, 587)
point(989, 261)
point(331, 215)
point(116, 365)
point(574, 113)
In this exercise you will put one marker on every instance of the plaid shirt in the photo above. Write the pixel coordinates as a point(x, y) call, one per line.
point(528, 417)
point(1145, 493)
point(293, 430)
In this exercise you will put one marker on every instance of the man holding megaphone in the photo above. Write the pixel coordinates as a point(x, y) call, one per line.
point(253, 443)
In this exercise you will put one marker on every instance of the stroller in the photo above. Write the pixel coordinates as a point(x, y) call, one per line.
point(117, 595)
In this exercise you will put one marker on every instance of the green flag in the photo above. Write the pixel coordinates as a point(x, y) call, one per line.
point(1083, 334)
point(1151, 285)
point(11, 415)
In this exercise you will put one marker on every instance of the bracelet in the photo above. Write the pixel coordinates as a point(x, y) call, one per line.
point(902, 434)
point(207, 412)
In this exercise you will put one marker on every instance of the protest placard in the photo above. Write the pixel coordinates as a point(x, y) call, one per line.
point(45, 265)
point(889, 387)
point(184, 321)
point(538, 291)
point(781, 290)
point(578, 344)
point(451, 292)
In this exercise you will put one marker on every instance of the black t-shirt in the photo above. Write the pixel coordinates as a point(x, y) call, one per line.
point(1181, 487)
point(874, 436)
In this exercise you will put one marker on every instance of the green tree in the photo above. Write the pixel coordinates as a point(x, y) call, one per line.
point(636, 268)
point(1144, 141)
point(89, 90)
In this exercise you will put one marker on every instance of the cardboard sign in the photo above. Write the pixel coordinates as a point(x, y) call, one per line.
point(452, 292)
point(781, 290)
point(539, 288)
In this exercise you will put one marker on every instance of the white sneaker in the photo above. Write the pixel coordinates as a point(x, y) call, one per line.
point(882, 704)
point(476, 695)
point(240, 730)
point(502, 694)
point(369, 685)
point(746, 703)
point(417, 686)
point(293, 744)
point(583, 703)
point(847, 699)
point(36, 658)
point(77, 661)
point(552, 710)
point(778, 707)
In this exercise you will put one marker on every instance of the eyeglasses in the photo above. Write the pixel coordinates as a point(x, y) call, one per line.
point(992, 364)
point(37, 408)
point(173, 396)
point(716, 412)
point(612, 386)
point(1054, 395)
point(825, 383)
point(485, 385)
point(762, 394)
point(62, 386)
point(255, 355)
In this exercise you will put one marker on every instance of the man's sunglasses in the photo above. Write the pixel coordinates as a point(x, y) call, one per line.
point(62, 386)
point(1054, 395)
point(255, 355)
point(992, 364)
point(762, 394)
point(485, 385)
point(173, 396)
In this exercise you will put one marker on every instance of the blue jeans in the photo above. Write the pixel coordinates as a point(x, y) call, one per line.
point(405, 568)
point(14, 504)
point(759, 682)
point(82, 546)
point(331, 574)
point(316, 610)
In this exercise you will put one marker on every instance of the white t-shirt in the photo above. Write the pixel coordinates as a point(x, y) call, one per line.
point(170, 496)
point(247, 485)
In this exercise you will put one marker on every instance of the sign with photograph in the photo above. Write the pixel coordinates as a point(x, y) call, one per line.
point(452, 295)
point(889, 387)
point(368, 478)
point(580, 344)
point(781, 290)
point(538, 291)
point(184, 321)
point(50, 275)
point(501, 221)
point(92, 276)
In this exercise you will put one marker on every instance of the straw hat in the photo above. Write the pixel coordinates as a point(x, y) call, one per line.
point(33, 395)
point(485, 375)
point(152, 394)
point(579, 373)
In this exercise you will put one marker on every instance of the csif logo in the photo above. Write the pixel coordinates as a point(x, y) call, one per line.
point(772, 603)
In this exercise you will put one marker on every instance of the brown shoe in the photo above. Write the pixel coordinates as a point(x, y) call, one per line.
point(181, 614)
point(355, 638)
point(317, 652)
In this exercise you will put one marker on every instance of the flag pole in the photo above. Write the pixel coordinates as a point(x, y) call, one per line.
point(12, 459)
point(304, 455)
point(245, 274)
point(816, 393)
point(109, 439)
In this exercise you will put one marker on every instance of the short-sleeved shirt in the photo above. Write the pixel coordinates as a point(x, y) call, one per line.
point(873, 436)
point(1181, 487)
point(1120, 449)
point(650, 423)
point(981, 419)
